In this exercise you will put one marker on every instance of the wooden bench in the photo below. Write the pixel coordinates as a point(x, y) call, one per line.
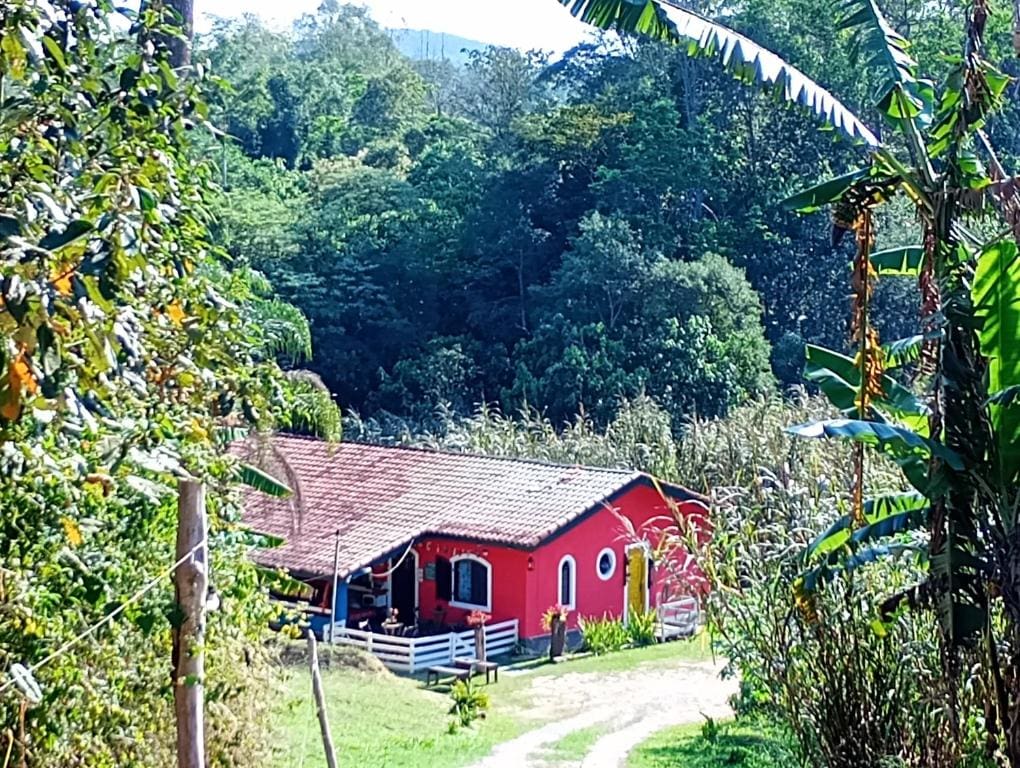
point(433, 674)
point(472, 665)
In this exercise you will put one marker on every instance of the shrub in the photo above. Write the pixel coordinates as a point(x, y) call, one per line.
point(603, 635)
point(641, 628)
point(469, 703)
point(851, 691)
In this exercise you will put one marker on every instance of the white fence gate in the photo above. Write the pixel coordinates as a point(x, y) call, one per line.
point(678, 618)
point(414, 654)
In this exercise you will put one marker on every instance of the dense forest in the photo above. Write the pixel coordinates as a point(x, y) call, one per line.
point(548, 232)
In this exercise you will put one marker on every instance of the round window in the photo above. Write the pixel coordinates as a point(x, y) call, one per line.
point(606, 563)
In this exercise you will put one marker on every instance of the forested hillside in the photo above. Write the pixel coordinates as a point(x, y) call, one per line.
point(548, 233)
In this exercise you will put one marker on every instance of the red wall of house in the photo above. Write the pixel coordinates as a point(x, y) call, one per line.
point(640, 515)
point(525, 584)
point(509, 575)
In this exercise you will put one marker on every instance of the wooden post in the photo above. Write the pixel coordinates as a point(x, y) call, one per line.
point(191, 588)
point(480, 642)
point(320, 702)
point(336, 579)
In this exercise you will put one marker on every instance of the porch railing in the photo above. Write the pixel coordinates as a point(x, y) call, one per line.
point(414, 654)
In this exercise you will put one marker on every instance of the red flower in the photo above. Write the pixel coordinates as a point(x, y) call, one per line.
point(554, 612)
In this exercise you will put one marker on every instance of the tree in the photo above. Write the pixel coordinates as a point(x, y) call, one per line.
point(128, 358)
point(637, 131)
point(501, 85)
point(601, 276)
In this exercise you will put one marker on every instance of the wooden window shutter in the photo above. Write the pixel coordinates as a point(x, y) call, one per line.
point(444, 579)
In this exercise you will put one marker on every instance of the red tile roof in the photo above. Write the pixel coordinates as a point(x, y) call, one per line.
point(380, 498)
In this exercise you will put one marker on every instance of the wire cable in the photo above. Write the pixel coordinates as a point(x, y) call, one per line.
point(106, 619)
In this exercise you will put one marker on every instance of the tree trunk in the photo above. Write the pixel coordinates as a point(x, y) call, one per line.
point(180, 49)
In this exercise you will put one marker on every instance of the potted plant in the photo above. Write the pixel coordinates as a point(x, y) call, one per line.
point(555, 621)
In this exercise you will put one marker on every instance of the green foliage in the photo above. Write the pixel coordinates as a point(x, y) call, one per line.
point(904, 261)
point(876, 511)
point(820, 195)
point(710, 730)
point(736, 53)
point(751, 743)
point(127, 351)
point(847, 689)
point(469, 703)
point(603, 635)
point(564, 253)
point(964, 462)
point(639, 437)
point(641, 628)
point(996, 296)
point(513, 231)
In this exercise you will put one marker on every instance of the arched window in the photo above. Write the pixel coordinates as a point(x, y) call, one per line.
point(472, 583)
point(568, 582)
point(605, 564)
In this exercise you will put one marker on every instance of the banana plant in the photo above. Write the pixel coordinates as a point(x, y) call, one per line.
point(958, 443)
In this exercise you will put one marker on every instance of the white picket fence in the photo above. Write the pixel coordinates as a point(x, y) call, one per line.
point(414, 654)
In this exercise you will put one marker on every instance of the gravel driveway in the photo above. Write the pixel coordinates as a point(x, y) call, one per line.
point(626, 706)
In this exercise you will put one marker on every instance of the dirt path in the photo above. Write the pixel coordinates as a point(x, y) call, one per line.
point(623, 707)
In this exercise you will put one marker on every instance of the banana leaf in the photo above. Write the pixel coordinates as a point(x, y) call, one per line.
point(905, 261)
point(897, 441)
point(901, 352)
point(737, 54)
point(815, 578)
point(813, 198)
point(839, 378)
point(261, 481)
point(875, 510)
point(996, 295)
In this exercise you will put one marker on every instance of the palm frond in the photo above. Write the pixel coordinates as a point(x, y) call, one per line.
point(739, 55)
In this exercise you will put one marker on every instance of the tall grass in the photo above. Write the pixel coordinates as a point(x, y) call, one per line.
point(640, 437)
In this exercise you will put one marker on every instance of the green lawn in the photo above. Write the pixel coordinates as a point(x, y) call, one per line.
point(748, 744)
point(378, 720)
point(574, 746)
point(693, 650)
point(381, 720)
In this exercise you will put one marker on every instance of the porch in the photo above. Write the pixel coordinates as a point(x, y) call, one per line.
point(416, 654)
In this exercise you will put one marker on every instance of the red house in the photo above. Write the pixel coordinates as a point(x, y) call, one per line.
point(437, 535)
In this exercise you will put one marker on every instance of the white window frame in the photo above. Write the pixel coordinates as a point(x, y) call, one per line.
point(453, 583)
point(598, 559)
point(573, 581)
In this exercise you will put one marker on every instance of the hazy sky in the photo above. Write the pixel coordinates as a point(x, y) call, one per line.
point(541, 24)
